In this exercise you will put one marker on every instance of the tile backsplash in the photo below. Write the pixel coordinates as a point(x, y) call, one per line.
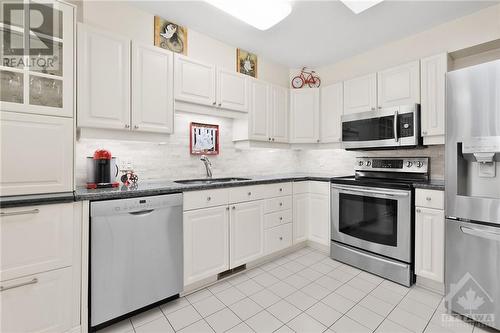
point(167, 157)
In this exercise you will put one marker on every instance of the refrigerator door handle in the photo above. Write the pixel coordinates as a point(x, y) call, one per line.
point(481, 233)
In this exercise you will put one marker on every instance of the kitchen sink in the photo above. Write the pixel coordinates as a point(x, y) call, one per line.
point(209, 180)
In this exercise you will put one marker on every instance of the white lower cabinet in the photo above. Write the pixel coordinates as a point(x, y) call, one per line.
point(206, 243)
point(278, 238)
point(40, 267)
point(429, 243)
point(36, 154)
point(300, 217)
point(319, 217)
point(38, 303)
point(246, 229)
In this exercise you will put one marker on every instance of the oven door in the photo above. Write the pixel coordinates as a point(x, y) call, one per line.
point(373, 219)
point(370, 129)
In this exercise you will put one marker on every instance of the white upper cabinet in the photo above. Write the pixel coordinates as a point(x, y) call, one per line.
point(42, 87)
point(259, 111)
point(360, 94)
point(399, 85)
point(432, 109)
point(246, 231)
point(103, 79)
point(152, 89)
point(37, 154)
point(304, 115)
point(279, 115)
point(195, 81)
point(232, 90)
point(330, 112)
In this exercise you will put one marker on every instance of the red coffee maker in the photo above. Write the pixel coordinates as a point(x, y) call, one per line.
point(101, 170)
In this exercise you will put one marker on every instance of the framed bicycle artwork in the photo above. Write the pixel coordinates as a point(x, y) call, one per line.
point(310, 78)
point(203, 139)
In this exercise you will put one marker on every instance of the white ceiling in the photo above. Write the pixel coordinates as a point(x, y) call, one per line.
point(316, 33)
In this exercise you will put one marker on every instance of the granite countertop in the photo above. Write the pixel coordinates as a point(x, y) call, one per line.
point(147, 188)
point(433, 184)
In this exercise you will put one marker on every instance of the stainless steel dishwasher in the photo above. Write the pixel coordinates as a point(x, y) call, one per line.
point(136, 257)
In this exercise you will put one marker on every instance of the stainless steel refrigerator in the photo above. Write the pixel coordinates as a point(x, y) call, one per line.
point(472, 267)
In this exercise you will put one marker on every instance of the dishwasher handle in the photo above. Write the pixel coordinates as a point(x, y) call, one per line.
point(142, 212)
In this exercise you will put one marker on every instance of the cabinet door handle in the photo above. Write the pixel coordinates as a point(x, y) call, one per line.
point(227, 208)
point(21, 212)
point(234, 207)
point(281, 189)
point(249, 193)
point(220, 104)
point(127, 126)
point(418, 210)
point(136, 126)
point(428, 198)
point(281, 204)
point(373, 109)
point(209, 198)
point(281, 218)
point(214, 103)
point(33, 281)
point(281, 238)
point(317, 140)
point(424, 132)
point(269, 139)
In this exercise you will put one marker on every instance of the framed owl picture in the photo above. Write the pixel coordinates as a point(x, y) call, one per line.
point(170, 36)
point(246, 63)
point(203, 139)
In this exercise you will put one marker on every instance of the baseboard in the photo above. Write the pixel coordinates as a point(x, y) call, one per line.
point(318, 246)
point(207, 282)
point(431, 285)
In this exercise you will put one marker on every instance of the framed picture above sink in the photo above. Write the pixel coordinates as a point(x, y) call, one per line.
point(203, 139)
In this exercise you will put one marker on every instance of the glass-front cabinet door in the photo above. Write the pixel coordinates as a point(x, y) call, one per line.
point(37, 57)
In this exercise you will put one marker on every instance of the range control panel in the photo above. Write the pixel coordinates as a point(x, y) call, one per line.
point(393, 164)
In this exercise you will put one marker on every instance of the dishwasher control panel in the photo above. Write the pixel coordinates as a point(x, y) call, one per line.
point(132, 205)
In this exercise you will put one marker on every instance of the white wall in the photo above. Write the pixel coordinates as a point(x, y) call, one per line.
point(136, 24)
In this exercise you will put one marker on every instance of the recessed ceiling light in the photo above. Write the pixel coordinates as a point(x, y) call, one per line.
point(357, 6)
point(260, 14)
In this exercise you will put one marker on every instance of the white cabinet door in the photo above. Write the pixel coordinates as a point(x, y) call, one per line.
point(246, 230)
point(152, 89)
point(37, 154)
point(304, 115)
point(103, 79)
point(429, 243)
point(319, 218)
point(399, 85)
point(433, 86)
point(360, 94)
point(300, 217)
point(232, 90)
point(194, 81)
point(332, 108)
point(259, 111)
point(206, 243)
point(38, 303)
point(279, 119)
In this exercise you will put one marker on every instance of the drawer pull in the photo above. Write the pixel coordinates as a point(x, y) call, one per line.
point(281, 238)
point(281, 204)
point(21, 212)
point(281, 190)
point(33, 281)
point(281, 218)
point(428, 198)
point(249, 193)
point(209, 198)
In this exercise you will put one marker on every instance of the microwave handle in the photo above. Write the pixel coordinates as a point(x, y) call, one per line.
point(396, 126)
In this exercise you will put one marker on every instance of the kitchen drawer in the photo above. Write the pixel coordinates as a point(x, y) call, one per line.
point(206, 198)
point(277, 218)
point(277, 238)
point(258, 192)
point(429, 198)
point(38, 303)
point(36, 239)
point(276, 204)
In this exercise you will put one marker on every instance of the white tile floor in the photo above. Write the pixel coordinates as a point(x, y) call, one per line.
point(304, 291)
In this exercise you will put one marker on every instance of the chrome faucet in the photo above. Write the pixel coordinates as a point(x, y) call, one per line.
point(208, 165)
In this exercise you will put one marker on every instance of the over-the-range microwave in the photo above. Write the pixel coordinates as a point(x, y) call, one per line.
point(391, 127)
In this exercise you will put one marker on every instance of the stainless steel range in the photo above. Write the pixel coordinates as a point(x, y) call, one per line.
point(372, 216)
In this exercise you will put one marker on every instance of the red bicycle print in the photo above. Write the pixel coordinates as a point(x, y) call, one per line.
point(305, 77)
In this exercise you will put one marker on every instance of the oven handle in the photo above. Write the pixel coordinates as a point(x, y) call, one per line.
point(388, 193)
point(396, 126)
